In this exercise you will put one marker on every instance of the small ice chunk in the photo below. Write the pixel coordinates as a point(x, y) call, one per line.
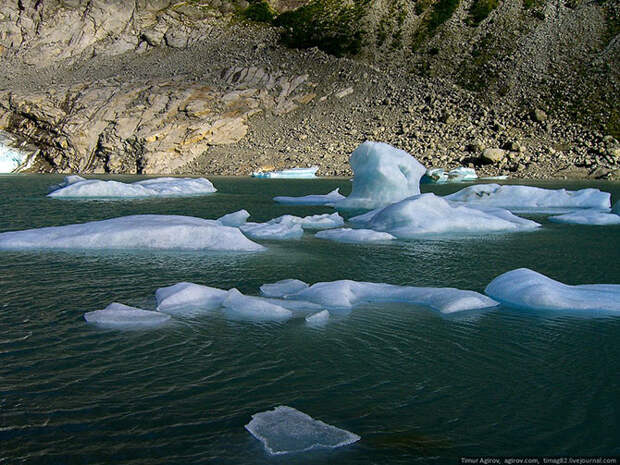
point(354, 235)
point(171, 232)
point(315, 199)
point(382, 175)
point(429, 214)
point(527, 289)
point(283, 288)
point(276, 229)
point(235, 219)
point(588, 217)
point(318, 319)
point(242, 307)
point(158, 187)
point(528, 198)
point(285, 430)
point(346, 294)
point(119, 315)
point(325, 221)
point(189, 298)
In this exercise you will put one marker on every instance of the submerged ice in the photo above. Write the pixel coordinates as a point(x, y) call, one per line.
point(170, 232)
point(527, 289)
point(285, 430)
point(78, 187)
point(120, 315)
point(588, 216)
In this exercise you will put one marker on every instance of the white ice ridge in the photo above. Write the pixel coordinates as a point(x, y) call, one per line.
point(354, 235)
point(315, 199)
point(590, 216)
point(527, 289)
point(242, 307)
point(346, 294)
point(528, 198)
point(78, 187)
point(235, 219)
point(119, 315)
point(285, 430)
point(189, 298)
point(382, 175)
point(170, 232)
point(429, 214)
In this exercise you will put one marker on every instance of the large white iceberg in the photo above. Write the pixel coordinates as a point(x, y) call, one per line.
point(315, 199)
point(528, 198)
point(346, 294)
point(134, 232)
point(429, 214)
point(118, 315)
point(354, 235)
point(285, 430)
point(77, 187)
point(245, 307)
point(588, 216)
point(189, 298)
point(382, 175)
point(527, 289)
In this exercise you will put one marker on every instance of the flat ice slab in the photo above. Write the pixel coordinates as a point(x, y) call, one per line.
point(285, 430)
point(382, 175)
point(170, 232)
point(346, 294)
point(189, 298)
point(528, 198)
point(274, 230)
point(119, 315)
point(289, 173)
point(354, 235)
point(427, 214)
point(77, 187)
point(283, 288)
point(587, 217)
point(315, 199)
point(527, 289)
point(242, 307)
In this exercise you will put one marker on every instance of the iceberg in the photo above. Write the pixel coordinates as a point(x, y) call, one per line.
point(382, 175)
point(235, 219)
point(170, 232)
point(290, 173)
point(77, 187)
point(314, 200)
point(429, 214)
point(318, 319)
point(283, 288)
point(242, 307)
point(588, 217)
point(346, 294)
point(189, 298)
point(325, 221)
point(118, 315)
point(528, 198)
point(354, 235)
point(285, 430)
point(526, 289)
point(276, 229)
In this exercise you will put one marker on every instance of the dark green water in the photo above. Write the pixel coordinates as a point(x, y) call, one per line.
point(417, 387)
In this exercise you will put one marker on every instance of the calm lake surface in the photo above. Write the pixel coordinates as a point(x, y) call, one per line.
point(416, 386)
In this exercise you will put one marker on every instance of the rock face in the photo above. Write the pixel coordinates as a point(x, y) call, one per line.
point(160, 86)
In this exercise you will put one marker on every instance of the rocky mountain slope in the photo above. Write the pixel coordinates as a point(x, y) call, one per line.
point(155, 86)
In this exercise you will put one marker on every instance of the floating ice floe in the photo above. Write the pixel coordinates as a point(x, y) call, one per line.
point(429, 214)
point(440, 176)
point(588, 217)
point(285, 430)
point(354, 235)
point(78, 187)
point(235, 219)
point(382, 175)
point(239, 306)
point(346, 294)
point(119, 315)
point(189, 298)
point(528, 198)
point(289, 173)
point(283, 288)
point(527, 289)
point(318, 319)
point(273, 230)
point(315, 199)
point(325, 221)
point(170, 232)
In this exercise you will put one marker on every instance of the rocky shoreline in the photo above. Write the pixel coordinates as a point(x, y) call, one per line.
point(187, 91)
